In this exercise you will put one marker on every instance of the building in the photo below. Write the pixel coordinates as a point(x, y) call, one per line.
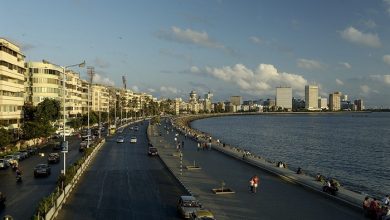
point(335, 101)
point(73, 94)
point(323, 103)
point(236, 100)
point(99, 98)
point(12, 84)
point(44, 81)
point(311, 97)
point(284, 98)
point(359, 105)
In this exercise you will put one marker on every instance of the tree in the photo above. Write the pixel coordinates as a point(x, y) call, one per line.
point(5, 137)
point(48, 110)
point(36, 129)
point(76, 123)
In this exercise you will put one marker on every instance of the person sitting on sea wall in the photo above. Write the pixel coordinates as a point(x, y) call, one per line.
point(320, 178)
point(366, 206)
point(280, 164)
point(386, 200)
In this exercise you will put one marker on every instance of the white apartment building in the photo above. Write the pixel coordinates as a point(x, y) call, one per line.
point(44, 81)
point(12, 78)
point(311, 97)
point(323, 103)
point(335, 101)
point(99, 98)
point(74, 92)
point(284, 97)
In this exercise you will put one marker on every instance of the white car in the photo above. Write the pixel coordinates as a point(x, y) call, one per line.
point(133, 140)
point(120, 140)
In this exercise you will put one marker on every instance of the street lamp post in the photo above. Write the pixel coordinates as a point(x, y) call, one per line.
point(65, 143)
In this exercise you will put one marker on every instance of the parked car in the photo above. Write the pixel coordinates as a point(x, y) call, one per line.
point(202, 214)
point(24, 154)
point(55, 145)
point(17, 156)
point(10, 159)
point(32, 150)
point(133, 140)
point(187, 205)
point(42, 170)
point(152, 151)
point(3, 164)
point(136, 128)
point(120, 139)
point(53, 158)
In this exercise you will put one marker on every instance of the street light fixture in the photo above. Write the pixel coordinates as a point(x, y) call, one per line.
point(65, 143)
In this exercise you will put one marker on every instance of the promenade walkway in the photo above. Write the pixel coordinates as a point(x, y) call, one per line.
point(276, 198)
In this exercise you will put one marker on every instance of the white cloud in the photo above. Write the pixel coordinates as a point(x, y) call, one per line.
point(387, 3)
point(258, 81)
point(169, 90)
point(369, 23)
point(200, 38)
point(365, 89)
point(346, 65)
point(97, 78)
point(386, 59)
point(339, 82)
point(308, 64)
point(353, 35)
point(381, 78)
point(256, 40)
point(101, 63)
point(151, 90)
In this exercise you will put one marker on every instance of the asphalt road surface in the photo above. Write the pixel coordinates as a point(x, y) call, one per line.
point(23, 198)
point(123, 182)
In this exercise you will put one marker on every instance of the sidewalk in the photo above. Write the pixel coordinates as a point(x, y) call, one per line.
point(276, 199)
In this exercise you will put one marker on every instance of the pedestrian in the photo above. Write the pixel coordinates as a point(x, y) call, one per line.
point(182, 144)
point(386, 200)
point(256, 182)
point(251, 184)
point(198, 146)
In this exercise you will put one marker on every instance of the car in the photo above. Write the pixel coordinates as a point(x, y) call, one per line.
point(152, 151)
point(24, 154)
point(42, 170)
point(55, 145)
point(120, 131)
point(83, 146)
point(131, 128)
point(3, 164)
point(136, 128)
point(202, 214)
point(133, 140)
point(10, 159)
point(53, 158)
point(17, 156)
point(187, 205)
point(120, 139)
point(32, 150)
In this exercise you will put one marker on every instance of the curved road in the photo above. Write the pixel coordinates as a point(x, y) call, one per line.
point(23, 198)
point(123, 182)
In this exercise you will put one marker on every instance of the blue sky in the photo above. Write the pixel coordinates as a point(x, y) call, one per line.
point(230, 47)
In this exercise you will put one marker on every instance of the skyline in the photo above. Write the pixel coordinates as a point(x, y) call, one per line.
point(227, 47)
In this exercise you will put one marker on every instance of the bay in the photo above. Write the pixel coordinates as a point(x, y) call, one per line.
point(351, 147)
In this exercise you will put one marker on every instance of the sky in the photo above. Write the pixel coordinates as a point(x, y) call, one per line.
point(229, 47)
